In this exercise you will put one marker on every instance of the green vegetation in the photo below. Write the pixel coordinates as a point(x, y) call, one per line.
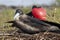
point(6, 15)
point(53, 14)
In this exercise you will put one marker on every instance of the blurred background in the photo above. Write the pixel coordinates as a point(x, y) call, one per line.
point(27, 2)
point(8, 7)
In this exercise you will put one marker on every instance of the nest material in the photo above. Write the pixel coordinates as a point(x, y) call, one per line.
point(40, 36)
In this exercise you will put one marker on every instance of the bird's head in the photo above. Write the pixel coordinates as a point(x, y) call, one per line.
point(17, 14)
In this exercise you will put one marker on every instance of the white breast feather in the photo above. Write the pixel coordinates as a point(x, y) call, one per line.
point(16, 17)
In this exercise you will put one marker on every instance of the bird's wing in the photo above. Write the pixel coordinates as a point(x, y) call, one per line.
point(32, 21)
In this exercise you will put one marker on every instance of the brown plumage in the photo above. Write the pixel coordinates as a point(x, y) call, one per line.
point(32, 25)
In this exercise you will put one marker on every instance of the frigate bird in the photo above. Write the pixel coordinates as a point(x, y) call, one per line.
point(31, 25)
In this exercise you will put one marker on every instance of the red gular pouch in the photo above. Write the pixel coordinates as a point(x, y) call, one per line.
point(39, 13)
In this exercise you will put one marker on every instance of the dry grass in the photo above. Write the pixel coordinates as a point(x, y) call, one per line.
point(40, 36)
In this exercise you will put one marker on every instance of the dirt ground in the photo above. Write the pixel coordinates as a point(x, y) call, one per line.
point(39, 36)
